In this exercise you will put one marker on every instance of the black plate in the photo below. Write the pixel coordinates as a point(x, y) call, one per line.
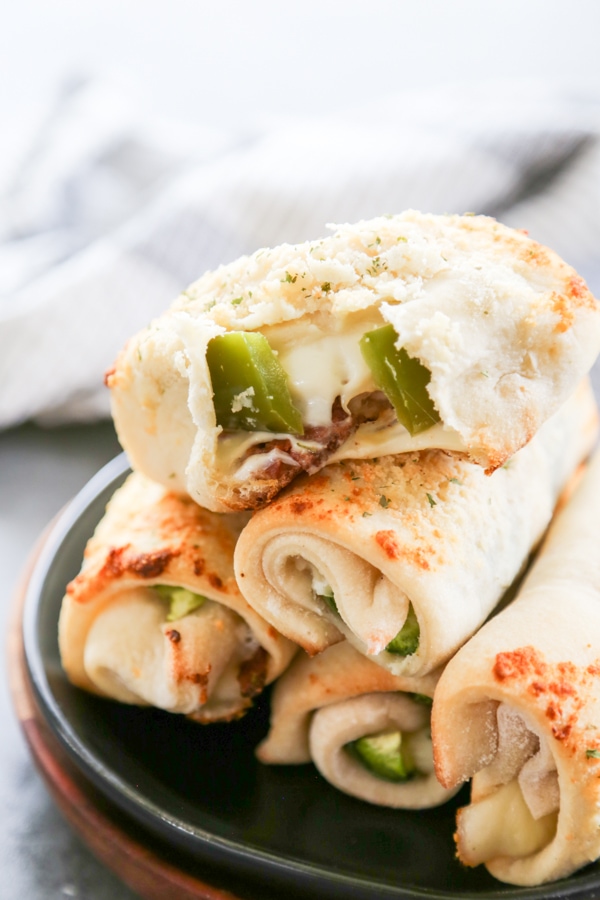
point(200, 789)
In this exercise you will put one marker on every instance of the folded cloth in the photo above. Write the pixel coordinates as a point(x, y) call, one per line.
point(367, 731)
point(517, 709)
point(113, 213)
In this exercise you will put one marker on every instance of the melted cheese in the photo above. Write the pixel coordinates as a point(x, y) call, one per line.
point(388, 437)
point(501, 825)
point(320, 367)
point(326, 367)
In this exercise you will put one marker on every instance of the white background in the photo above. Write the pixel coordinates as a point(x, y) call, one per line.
point(232, 62)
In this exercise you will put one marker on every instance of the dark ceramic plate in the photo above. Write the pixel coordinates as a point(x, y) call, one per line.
point(201, 791)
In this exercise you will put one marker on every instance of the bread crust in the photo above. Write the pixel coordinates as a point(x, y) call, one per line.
point(505, 327)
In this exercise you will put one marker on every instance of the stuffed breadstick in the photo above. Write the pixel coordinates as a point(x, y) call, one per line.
point(406, 556)
point(401, 333)
point(518, 710)
point(366, 730)
point(155, 616)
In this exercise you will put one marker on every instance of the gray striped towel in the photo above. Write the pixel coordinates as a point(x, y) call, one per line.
point(111, 215)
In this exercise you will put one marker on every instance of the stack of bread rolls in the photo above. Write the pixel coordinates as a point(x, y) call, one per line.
point(345, 453)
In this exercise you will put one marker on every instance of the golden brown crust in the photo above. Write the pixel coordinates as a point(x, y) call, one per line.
point(425, 528)
point(561, 691)
point(312, 683)
point(180, 537)
point(539, 659)
point(245, 287)
point(151, 537)
point(505, 327)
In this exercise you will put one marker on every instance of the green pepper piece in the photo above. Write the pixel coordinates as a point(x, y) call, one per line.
point(402, 378)
point(250, 386)
point(384, 756)
point(406, 641)
point(329, 600)
point(181, 601)
point(421, 699)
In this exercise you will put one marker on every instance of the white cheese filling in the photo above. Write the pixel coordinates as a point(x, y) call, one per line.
point(329, 366)
point(518, 797)
point(321, 367)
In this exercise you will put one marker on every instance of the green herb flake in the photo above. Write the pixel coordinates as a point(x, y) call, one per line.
point(290, 279)
point(432, 500)
point(383, 501)
point(377, 264)
point(402, 238)
point(326, 287)
point(592, 753)
point(455, 481)
point(236, 301)
point(366, 515)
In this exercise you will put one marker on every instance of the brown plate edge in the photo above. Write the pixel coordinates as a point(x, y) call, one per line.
point(99, 825)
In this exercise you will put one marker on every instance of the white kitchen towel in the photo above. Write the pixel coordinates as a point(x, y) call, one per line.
point(113, 213)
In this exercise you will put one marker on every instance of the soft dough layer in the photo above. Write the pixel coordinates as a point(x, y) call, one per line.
point(114, 635)
point(518, 710)
point(354, 551)
point(504, 327)
point(321, 705)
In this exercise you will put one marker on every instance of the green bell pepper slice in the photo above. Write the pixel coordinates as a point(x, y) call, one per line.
point(250, 386)
point(421, 699)
point(384, 755)
point(406, 641)
point(180, 600)
point(329, 601)
point(402, 378)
